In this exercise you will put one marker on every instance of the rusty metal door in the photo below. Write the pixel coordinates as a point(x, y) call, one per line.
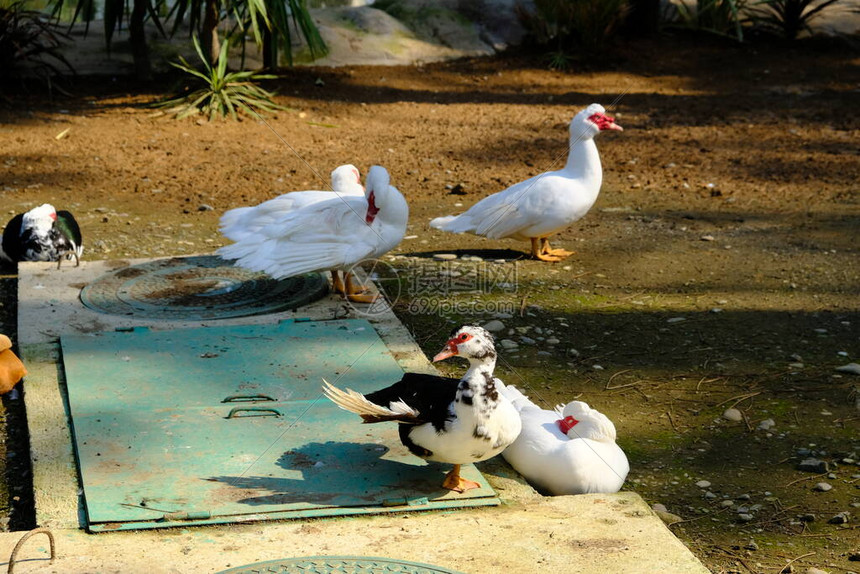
point(227, 424)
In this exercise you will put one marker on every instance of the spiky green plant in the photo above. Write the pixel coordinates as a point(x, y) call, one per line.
point(222, 93)
point(788, 17)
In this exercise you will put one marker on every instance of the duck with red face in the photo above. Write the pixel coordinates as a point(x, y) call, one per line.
point(442, 419)
point(536, 208)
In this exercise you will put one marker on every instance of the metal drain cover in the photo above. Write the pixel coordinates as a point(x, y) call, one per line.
point(197, 288)
point(339, 565)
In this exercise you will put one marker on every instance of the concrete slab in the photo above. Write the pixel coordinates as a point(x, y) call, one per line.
point(528, 533)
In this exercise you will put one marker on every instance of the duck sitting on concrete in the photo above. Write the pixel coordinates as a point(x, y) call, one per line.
point(570, 450)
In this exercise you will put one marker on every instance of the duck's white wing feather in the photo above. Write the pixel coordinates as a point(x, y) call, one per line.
point(239, 223)
point(496, 216)
point(326, 235)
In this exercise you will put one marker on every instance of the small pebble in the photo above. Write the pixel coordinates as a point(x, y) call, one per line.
point(508, 344)
point(744, 496)
point(751, 546)
point(813, 465)
point(707, 238)
point(703, 484)
point(552, 341)
point(767, 424)
point(444, 256)
point(494, 326)
point(733, 415)
point(676, 320)
point(727, 503)
point(822, 487)
point(841, 518)
point(851, 368)
point(745, 517)
point(527, 340)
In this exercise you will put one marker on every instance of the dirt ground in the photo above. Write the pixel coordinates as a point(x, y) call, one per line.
point(719, 268)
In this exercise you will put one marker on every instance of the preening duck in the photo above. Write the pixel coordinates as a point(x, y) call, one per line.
point(442, 419)
point(534, 209)
point(241, 222)
point(571, 450)
point(331, 235)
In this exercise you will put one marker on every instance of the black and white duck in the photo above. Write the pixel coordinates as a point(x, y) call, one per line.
point(442, 419)
point(42, 234)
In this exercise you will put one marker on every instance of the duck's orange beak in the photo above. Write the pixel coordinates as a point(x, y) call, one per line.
point(449, 350)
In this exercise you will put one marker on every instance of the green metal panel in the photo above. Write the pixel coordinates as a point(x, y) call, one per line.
point(228, 424)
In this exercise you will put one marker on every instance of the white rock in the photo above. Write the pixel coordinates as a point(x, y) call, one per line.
point(707, 238)
point(494, 326)
point(676, 319)
point(703, 484)
point(822, 487)
point(444, 256)
point(733, 415)
point(508, 344)
point(767, 424)
point(852, 368)
point(552, 341)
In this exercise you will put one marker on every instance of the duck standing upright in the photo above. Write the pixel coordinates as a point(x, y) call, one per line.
point(42, 234)
point(571, 450)
point(331, 235)
point(534, 209)
point(444, 419)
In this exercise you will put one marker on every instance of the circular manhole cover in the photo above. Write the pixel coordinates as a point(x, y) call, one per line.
point(197, 288)
point(339, 565)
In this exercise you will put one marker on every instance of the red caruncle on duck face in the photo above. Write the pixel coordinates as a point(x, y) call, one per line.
point(604, 122)
point(452, 347)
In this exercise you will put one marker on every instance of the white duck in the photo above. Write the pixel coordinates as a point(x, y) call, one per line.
point(332, 235)
point(566, 451)
point(42, 234)
point(444, 419)
point(241, 222)
point(534, 209)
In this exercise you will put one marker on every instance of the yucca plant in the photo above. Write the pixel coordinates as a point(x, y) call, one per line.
point(30, 45)
point(788, 17)
point(222, 93)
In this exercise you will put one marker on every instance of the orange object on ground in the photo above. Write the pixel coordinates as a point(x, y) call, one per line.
point(11, 368)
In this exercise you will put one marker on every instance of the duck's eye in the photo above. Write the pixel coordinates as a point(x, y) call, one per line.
point(464, 337)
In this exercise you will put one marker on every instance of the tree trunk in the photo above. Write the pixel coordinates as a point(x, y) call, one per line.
point(209, 31)
point(137, 36)
point(270, 49)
